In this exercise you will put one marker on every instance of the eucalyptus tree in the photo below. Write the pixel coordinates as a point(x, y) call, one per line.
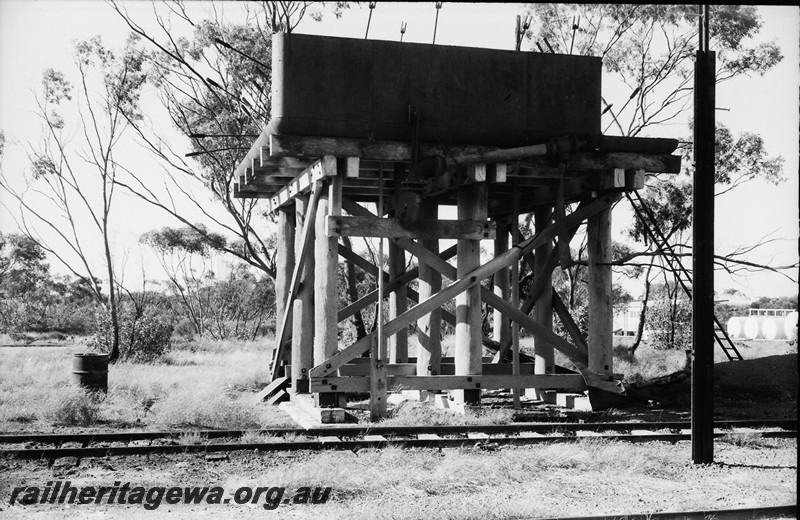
point(65, 202)
point(648, 52)
point(213, 82)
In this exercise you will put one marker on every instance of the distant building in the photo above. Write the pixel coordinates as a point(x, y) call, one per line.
point(626, 320)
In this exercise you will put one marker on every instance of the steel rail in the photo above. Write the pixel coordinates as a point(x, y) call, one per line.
point(347, 444)
point(354, 444)
point(360, 430)
point(749, 513)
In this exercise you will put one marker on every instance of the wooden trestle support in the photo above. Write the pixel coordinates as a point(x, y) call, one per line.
point(321, 189)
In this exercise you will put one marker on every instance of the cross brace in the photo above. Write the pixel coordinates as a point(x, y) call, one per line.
point(514, 254)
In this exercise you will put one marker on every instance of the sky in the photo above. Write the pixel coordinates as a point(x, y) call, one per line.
point(35, 35)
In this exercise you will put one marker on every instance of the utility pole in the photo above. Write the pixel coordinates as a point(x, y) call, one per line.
point(703, 250)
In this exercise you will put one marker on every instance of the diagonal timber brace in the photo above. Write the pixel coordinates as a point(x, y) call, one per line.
point(539, 284)
point(513, 313)
point(391, 284)
point(473, 278)
point(283, 332)
point(569, 324)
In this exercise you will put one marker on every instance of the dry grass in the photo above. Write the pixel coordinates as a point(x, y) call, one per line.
point(577, 478)
point(413, 413)
point(189, 438)
point(256, 437)
point(748, 439)
point(203, 385)
point(209, 384)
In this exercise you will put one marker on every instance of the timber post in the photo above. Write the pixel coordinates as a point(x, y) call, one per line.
point(303, 306)
point(326, 256)
point(429, 327)
point(543, 308)
point(600, 306)
point(501, 325)
point(398, 299)
point(284, 258)
point(472, 205)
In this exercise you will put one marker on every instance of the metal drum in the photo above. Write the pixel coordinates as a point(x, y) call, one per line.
point(91, 371)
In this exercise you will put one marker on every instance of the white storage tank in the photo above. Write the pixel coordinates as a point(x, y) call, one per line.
point(753, 327)
point(773, 327)
point(790, 326)
point(735, 326)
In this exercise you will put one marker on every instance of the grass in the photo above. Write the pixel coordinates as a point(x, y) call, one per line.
point(747, 439)
point(559, 479)
point(210, 384)
point(203, 384)
point(413, 413)
point(255, 437)
point(192, 438)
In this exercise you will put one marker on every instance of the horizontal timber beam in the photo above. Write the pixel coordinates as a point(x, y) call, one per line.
point(255, 151)
point(446, 369)
point(285, 151)
point(281, 163)
point(303, 146)
point(573, 189)
point(325, 167)
point(425, 229)
point(572, 382)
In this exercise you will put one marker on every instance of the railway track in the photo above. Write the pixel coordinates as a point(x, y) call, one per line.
point(346, 437)
point(749, 513)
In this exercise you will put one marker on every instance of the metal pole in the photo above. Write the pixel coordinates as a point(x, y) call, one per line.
point(575, 27)
point(436, 23)
point(369, 20)
point(703, 252)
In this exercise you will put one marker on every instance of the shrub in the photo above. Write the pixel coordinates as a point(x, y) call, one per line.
point(205, 408)
point(185, 328)
point(142, 339)
point(670, 323)
point(73, 406)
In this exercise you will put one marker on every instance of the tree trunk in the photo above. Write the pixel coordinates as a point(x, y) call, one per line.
point(113, 355)
point(352, 292)
point(643, 312)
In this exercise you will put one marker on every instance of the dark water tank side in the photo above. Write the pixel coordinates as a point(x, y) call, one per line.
point(341, 87)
